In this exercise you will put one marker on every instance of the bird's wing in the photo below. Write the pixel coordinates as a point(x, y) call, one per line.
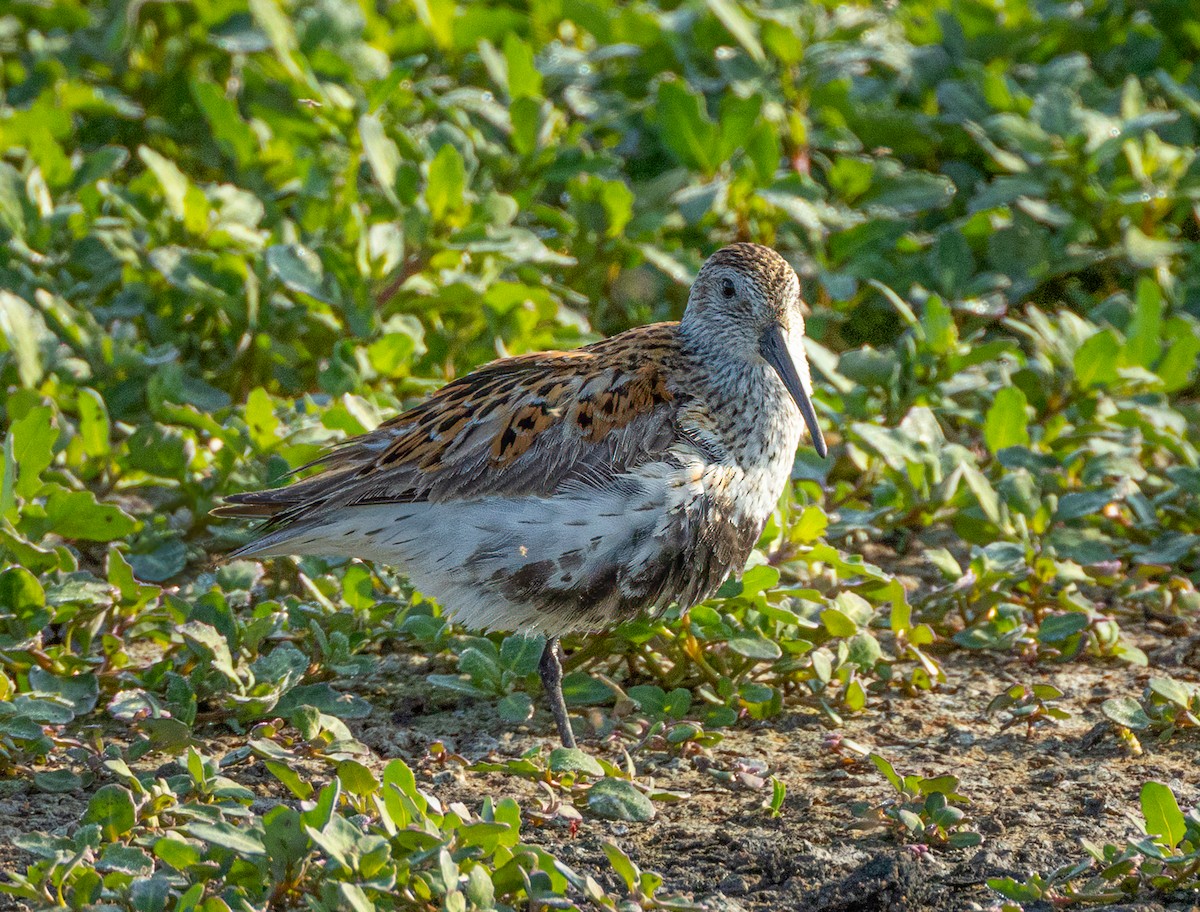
point(525, 425)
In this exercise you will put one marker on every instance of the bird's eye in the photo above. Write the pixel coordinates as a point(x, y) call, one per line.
point(727, 288)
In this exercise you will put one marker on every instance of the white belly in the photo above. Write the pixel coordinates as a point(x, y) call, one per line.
point(584, 557)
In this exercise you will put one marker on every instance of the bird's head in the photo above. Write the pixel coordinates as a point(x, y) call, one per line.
point(745, 304)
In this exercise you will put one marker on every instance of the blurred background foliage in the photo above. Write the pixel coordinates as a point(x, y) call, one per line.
point(237, 230)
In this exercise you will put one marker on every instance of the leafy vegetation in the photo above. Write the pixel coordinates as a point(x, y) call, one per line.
point(235, 232)
point(1166, 861)
point(922, 811)
point(192, 833)
point(1167, 706)
point(1029, 705)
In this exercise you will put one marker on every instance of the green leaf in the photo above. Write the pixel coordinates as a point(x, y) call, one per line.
point(232, 134)
point(290, 778)
point(1143, 344)
point(1126, 712)
point(620, 862)
point(33, 439)
point(940, 785)
point(8, 497)
point(1007, 423)
point(80, 691)
point(574, 760)
point(685, 127)
point(1164, 820)
point(526, 114)
point(112, 808)
point(1167, 549)
point(1078, 504)
point(399, 774)
point(278, 28)
point(77, 515)
point(1173, 691)
point(391, 354)
point(163, 562)
point(1059, 627)
point(838, 623)
point(989, 501)
point(888, 771)
point(21, 332)
point(168, 735)
point(340, 839)
point(356, 778)
point(758, 648)
point(298, 268)
point(907, 193)
point(516, 708)
point(57, 781)
point(438, 17)
point(651, 699)
point(93, 423)
point(159, 450)
point(324, 698)
point(1015, 890)
point(21, 594)
point(261, 421)
point(150, 894)
point(522, 654)
point(383, 155)
point(822, 664)
point(354, 898)
point(446, 187)
point(480, 890)
point(284, 837)
point(964, 840)
point(864, 651)
point(944, 561)
point(12, 215)
point(619, 799)
point(1046, 692)
point(760, 579)
point(175, 852)
point(941, 333)
point(1096, 360)
point(236, 839)
point(174, 182)
point(855, 697)
point(524, 80)
point(208, 644)
point(1179, 363)
point(125, 859)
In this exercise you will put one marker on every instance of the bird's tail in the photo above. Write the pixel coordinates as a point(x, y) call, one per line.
point(257, 504)
point(288, 513)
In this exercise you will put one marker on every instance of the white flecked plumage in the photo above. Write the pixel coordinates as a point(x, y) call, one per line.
point(572, 490)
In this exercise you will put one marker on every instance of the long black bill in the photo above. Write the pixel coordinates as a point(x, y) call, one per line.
point(774, 348)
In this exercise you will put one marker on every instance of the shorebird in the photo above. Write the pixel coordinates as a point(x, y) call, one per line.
point(571, 490)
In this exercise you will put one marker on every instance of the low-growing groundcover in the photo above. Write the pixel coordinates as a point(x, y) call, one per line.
point(962, 666)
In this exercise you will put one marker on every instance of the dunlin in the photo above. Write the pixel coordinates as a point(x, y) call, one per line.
point(571, 490)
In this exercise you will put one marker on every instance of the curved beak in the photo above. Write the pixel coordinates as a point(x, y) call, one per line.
point(773, 346)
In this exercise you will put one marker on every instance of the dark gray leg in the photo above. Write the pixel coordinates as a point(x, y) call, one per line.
point(550, 668)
